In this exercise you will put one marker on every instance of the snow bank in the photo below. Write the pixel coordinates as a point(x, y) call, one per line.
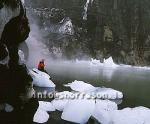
point(78, 110)
point(41, 79)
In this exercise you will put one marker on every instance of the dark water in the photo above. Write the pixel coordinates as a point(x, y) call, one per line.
point(134, 83)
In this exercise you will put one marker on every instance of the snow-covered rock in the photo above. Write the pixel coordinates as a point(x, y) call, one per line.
point(46, 106)
point(41, 79)
point(41, 116)
point(78, 110)
point(80, 86)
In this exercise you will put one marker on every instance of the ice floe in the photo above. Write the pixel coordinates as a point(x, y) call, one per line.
point(78, 110)
point(62, 99)
point(46, 106)
point(108, 93)
point(41, 116)
point(97, 92)
point(108, 63)
point(41, 79)
point(80, 86)
point(138, 115)
point(102, 110)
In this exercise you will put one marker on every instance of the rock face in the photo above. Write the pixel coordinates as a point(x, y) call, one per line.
point(102, 28)
point(16, 83)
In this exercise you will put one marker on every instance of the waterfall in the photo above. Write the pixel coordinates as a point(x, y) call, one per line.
point(86, 9)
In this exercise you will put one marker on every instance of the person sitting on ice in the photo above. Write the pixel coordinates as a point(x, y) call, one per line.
point(41, 66)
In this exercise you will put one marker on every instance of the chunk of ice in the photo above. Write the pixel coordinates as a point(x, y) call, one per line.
point(46, 106)
point(41, 79)
point(78, 110)
point(80, 86)
point(41, 116)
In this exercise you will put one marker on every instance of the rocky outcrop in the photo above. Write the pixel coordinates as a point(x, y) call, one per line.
point(15, 82)
point(103, 28)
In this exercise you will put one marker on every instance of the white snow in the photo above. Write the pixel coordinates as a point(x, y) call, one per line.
point(78, 110)
point(80, 86)
point(41, 79)
point(41, 116)
point(46, 106)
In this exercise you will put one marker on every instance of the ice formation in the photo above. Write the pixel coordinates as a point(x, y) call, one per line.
point(41, 79)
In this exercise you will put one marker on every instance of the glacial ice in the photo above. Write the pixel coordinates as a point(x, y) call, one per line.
point(46, 106)
point(78, 110)
point(101, 93)
point(138, 115)
point(80, 86)
point(108, 93)
point(41, 79)
point(41, 116)
point(60, 102)
point(102, 110)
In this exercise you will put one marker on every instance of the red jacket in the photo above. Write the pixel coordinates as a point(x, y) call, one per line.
point(41, 66)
